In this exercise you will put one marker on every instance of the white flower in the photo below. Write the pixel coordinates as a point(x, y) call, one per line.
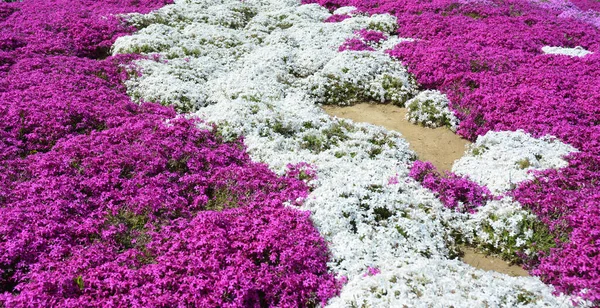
point(501, 160)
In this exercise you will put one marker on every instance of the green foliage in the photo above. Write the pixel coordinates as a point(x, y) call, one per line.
point(382, 213)
point(312, 143)
point(135, 233)
point(79, 282)
point(338, 131)
point(221, 198)
point(131, 220)
point(433, 113)
point(396, 91)
point(374, 151)
point(474, 15)
point(251, 98)
point(375, 188)
point(223, 133)
point(389, 28)
point(524, 163)
point(477, 151)
point(340, 92)
point(542, 240)
point(284, 130)
point(329, 137)
point(381, 139)
point(178, 165)
point(246, 11)
point(402, 231)
point(195, 52)
point(283, 23)
point(479, 66)
point(525, 297)
point(145, 49)
point(308, 125)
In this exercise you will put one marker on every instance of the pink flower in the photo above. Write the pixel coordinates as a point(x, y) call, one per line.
point(372, 271)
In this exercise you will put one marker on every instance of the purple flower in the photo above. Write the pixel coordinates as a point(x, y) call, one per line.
point(372, 271)
point(337, 18)
point(454, 191)
point(106, 203)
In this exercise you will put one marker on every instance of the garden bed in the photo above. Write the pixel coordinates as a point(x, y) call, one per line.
point(161, 154)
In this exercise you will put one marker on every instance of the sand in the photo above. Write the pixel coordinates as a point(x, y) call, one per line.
point(490, 263)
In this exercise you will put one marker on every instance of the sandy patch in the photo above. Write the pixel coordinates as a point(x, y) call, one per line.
point(439, 146)
point(489, 263)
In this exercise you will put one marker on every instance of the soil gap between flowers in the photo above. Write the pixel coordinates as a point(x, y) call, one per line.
point(480, 260)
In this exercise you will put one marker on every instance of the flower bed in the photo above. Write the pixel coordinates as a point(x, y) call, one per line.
point(108, 203)
point(487, 57)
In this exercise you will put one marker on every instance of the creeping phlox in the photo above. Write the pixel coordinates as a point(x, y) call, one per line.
point(105, 202)
point(261, 77)
point(430, 108)
point(502, 160)
point(574, 52)
point(529, 65)
point(364, 40)
point(582, 10)
point(496, 224)
point(454, 191)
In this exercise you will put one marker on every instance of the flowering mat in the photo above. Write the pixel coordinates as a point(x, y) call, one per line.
point(159, 154)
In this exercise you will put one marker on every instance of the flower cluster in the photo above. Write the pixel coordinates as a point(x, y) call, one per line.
point(568, 201)
point(355, 44)
point(581, 10)
point(587, 5)
point(502, 160)
point(430, 108)
point(78, 28)
point(454, 191)
point(105, 202)
point(359, 76)
point(504, 228)
point(172, 209)
point(337, 18)
point(487, 57)
point(363, 40)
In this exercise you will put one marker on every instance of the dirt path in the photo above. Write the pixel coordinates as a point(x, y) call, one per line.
point(489, 263)
point(440, 146)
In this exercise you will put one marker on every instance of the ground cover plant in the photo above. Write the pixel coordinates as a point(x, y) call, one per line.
point(105, 202)
point(234, 189)
point(582, 10)
point(498, 78)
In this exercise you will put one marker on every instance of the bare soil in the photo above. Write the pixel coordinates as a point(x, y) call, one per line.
point(439, 146)
point(490, 263)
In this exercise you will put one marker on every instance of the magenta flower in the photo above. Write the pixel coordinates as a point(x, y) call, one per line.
point(337, 18)
point(109, 203)
point(372, 271)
